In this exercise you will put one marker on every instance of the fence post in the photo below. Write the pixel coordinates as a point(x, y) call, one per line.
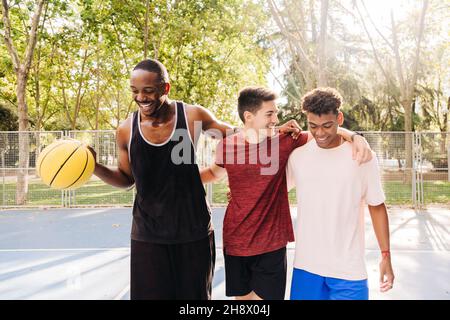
point(417, 185)
point(205, 161)
point(420, 166)
point(63, 196)
point(448, 157)
point(413, 173)
point(4, 179)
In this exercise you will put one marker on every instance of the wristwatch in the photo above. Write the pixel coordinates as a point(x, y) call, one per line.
point(352, 137)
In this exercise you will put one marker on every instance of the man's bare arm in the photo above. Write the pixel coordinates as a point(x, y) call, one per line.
point(121, 175)
point(212, 173)
point(212, 124)
point(380, 224)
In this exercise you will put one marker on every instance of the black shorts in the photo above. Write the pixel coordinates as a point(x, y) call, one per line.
point(172, 271)
point(265, 274)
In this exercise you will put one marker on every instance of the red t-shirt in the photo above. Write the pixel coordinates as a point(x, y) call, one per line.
point(257, 219)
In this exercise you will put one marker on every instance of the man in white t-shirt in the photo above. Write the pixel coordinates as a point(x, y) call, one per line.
point(332, 190)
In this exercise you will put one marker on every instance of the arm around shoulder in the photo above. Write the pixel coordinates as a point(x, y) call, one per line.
point(212, 173)
point(361, 151)
point(213, 126)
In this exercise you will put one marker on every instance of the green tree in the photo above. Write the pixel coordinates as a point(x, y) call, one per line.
point(21, 54)
point(8, 119)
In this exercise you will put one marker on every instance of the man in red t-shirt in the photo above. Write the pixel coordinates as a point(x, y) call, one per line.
point(257, 224)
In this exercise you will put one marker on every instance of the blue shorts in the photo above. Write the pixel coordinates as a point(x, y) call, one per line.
point(310, 286)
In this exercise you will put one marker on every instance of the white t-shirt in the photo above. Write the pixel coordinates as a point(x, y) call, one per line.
point(332, 191)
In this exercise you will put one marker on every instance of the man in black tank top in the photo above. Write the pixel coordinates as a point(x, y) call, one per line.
point(172, 240)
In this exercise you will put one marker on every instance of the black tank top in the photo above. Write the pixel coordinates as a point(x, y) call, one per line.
point(170, 204)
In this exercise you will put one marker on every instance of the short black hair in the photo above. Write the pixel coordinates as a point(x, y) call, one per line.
point(152, 65)
point(251, 98)
point(322, 101)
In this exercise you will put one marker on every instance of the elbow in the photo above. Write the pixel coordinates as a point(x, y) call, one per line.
point(129, 185)
point(127, 181)
point(209, 176)
point(204, 176)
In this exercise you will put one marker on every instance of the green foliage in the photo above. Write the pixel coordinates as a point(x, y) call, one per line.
point(8, 119)
point(86, 50)
point(212, 48)
point(372, 99)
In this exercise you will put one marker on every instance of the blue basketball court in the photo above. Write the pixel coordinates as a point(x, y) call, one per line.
point(84, 254)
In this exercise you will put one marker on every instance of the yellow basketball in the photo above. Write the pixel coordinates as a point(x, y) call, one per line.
point(65, 164)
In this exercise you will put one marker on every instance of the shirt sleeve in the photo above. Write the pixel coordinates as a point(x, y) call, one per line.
point(301, 140)
point(374, 194)
point(290, 180)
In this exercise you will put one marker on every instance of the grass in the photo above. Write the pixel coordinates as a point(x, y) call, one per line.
point(92, 193)
point(97, 193)
point(437, 192)
point(397, 193)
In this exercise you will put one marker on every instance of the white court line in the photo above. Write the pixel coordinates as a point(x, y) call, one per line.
point(122, 293)
point(67, 249)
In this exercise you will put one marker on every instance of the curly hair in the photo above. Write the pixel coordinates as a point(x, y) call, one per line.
point(322, 101)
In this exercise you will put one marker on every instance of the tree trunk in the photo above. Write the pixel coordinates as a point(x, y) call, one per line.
point(39, 114)
point(97, 85)
point(446, 141)
point(443, 143)
point(408, 84)
point(447, 116)
point(294, 46)
point(408, 136)
point(322, 58)
point(147, 4)
point(22, 69)
point(24, 145)
point(313, 21)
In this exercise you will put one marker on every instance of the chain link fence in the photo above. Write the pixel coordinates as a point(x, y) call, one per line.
point(434, 167)
point(423, 180)
point(96, 192)
point(11, 169)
